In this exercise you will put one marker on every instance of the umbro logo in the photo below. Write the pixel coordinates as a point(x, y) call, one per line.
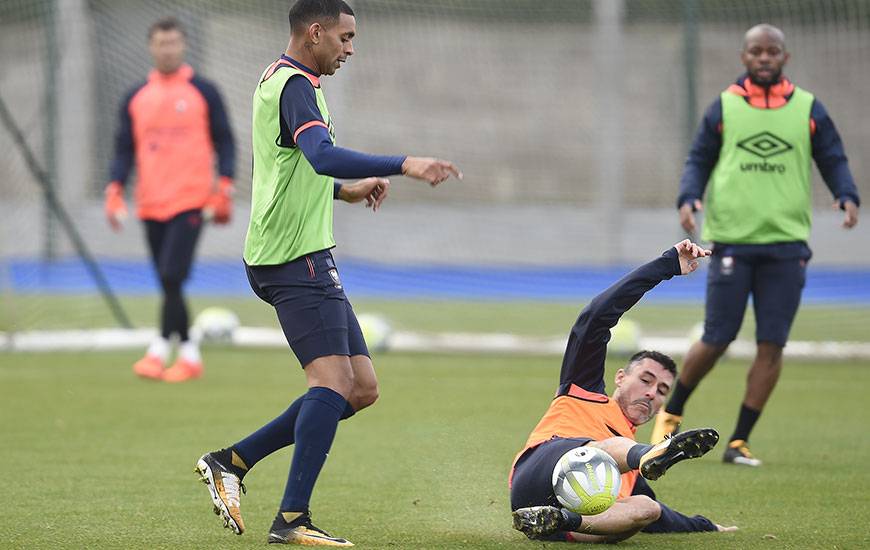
point(765, 145)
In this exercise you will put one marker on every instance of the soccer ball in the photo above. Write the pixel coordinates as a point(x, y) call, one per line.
point(697, 331)
point(586, 480)
point(216, 324)
point(625, 337)
point(376, 331)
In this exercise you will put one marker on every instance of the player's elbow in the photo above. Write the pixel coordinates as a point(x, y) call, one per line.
point(319, 163)
point(323, 159)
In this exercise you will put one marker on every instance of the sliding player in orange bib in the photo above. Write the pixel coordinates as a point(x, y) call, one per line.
point(582, 414)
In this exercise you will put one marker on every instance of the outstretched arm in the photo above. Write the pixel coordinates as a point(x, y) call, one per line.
point(583, 363)
point(342, 163)
point(338, 162)
point(305, 128)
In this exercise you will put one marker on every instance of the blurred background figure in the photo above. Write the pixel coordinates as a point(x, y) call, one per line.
point(171, 127)
point(752, 156)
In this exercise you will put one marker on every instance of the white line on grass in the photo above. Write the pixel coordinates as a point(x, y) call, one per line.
point(445, 342)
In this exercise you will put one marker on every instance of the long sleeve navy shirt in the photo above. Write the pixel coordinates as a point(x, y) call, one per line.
point(298, 108)
point(583, 363)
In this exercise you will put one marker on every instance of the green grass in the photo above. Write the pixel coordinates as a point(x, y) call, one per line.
point(814, 322)
point(94, 458)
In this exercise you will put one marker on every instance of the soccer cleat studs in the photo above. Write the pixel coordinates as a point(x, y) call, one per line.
point(684, 445)
point(225, 490)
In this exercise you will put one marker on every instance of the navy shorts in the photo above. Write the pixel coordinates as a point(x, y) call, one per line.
point(172, 244)
point(315, 315)
point(532, 482)
point(774, 275)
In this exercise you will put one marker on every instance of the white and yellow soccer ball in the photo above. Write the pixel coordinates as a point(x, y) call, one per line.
point(625, 338)
point(376, 331)
point(215, 324)
point(586, 480)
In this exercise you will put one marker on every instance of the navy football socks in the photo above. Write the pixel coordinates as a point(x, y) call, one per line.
point(275, 435)
point(745, 422)
point(316, 425)
point(570, 520)
point(632, 458)
point(678, 398)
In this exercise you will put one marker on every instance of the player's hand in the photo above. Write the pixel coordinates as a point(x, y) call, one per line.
point(850, 218)
point(723, 529)
point(430, 169)
point(687, 215)
point(115, 207)
point(219, 206)
point(372, 190)
point(689, 253)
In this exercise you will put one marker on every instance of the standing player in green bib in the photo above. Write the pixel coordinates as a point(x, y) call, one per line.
point(752, 156)
point(290, 266)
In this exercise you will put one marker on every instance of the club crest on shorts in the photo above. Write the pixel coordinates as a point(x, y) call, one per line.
point(334, 274)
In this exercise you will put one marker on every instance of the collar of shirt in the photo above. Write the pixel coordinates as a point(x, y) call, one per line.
point(299, 65)
point(183, 73)
point(771, 97)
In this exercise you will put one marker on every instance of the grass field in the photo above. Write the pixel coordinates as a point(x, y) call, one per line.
point(95, 458)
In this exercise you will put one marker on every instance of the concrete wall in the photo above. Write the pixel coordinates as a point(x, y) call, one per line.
point(443, 234)
point(521, 106)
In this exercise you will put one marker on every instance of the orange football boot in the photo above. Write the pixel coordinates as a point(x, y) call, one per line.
point(149, 366)
point(182, 371)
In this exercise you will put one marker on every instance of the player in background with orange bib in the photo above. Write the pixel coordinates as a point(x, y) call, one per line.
point(172, 127)
point(582, 414)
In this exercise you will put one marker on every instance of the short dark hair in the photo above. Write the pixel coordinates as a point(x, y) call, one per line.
point(656, 356)
point(166, 24)
point(305, 12)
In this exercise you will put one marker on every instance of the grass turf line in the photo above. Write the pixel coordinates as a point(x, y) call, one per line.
point(814, 322)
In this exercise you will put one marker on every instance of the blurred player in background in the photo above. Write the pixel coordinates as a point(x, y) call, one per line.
point(290, 266)
point(582, 414)
point(171, 126)
point(753, 150)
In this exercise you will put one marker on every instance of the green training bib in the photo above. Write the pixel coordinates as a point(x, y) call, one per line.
point(759, 191)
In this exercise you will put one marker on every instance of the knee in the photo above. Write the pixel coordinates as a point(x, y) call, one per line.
point(769, 353)
point(339, 382)
point(716, 349)
point(170, 282)
point(364, 396)
point(645, 510)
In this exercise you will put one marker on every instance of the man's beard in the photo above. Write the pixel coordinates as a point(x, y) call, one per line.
point(645, 416)
point(774, 78)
